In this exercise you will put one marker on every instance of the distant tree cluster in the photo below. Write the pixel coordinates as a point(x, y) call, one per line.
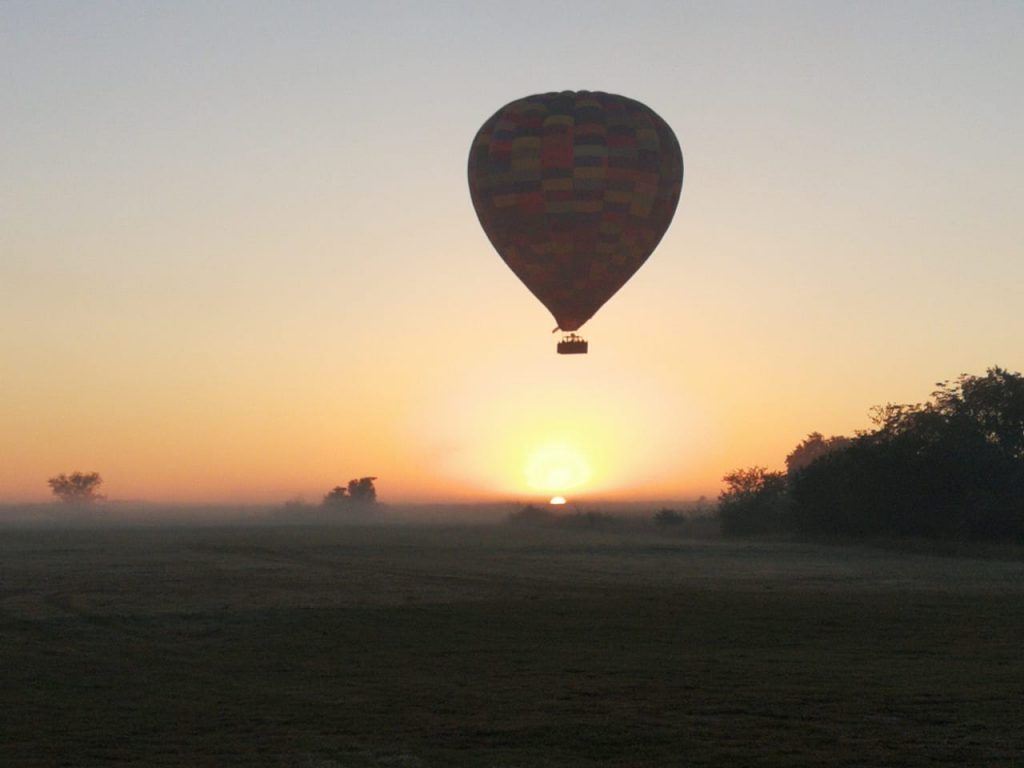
point(358, 492)
point(949, 468)
point(77, 488)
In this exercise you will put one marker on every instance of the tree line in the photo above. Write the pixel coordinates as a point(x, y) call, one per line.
point(949, 468)
point(82, 488)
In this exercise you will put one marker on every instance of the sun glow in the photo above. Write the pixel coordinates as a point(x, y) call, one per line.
point(543, 427)
point(557, 500)
point(556, 467)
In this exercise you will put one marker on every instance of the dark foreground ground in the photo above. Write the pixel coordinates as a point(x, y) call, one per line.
point(334, 647)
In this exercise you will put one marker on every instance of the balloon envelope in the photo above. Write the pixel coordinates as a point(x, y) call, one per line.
point(575, 190)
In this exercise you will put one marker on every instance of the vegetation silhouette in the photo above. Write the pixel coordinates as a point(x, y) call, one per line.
point(77, 488)
point(813, 447)
point(359, 493)
point(754, 503)
point(950, 468)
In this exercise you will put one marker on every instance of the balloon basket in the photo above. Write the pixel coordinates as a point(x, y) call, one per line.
point(572, 345)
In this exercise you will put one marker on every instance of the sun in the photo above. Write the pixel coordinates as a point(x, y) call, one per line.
point(556, 467)
point(557, 500)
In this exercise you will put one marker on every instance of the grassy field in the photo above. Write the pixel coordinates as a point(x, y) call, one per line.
point(491, 646)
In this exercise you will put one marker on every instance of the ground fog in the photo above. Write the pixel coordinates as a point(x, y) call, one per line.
point(497, 646)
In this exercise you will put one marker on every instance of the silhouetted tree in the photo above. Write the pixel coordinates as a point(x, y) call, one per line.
point(813, 447)
point(949, 468)
point(993, 405)
point(362, 490)
point(754, 503)
point(359, 492)
point(77, 488)
point(337, 495)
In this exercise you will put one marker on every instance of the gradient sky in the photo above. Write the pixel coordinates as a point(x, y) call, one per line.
point(238, 260)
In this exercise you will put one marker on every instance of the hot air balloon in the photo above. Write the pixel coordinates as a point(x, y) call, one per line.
point(575, 190)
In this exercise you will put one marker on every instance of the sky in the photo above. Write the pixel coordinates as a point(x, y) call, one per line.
point(239, 262)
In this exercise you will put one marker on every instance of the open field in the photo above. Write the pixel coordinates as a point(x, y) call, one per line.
point(324, 647)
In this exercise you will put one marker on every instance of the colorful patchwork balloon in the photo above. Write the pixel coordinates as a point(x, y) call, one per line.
point(575, 190)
